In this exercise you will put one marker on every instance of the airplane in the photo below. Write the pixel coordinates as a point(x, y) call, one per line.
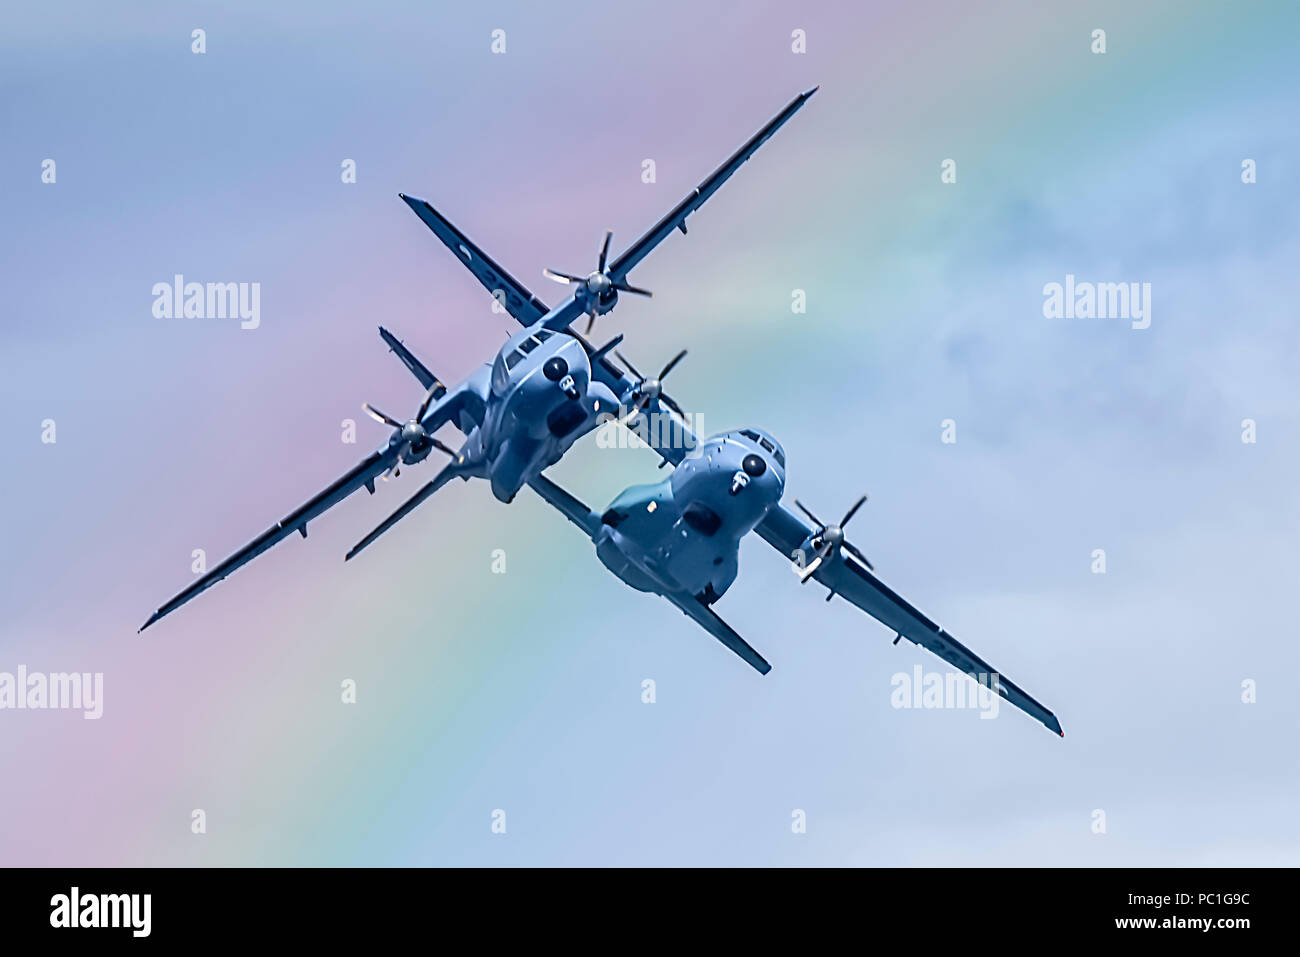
point(680, 538)
point(546, 387)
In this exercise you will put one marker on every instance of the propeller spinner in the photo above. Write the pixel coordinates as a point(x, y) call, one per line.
point(647, 390)
point(415, 442)
point(597, 291)
point(827, 538)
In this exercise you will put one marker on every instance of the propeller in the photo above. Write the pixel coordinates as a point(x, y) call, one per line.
point(410, 436)
point(829, 537)
point(647, 390)
point(597, 291)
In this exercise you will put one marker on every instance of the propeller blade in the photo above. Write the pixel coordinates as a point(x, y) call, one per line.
point(853, 511)
point(591, 322)
point(442, 447)
point(668, 401)
point(816, 521)
point(624, 287)
point(560, 277)
point(604, 250)
point(671, 363)
point(428, 398)
point(379, 416)
point(627, 362)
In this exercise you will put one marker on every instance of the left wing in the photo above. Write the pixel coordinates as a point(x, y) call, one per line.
point(362, 475)
point(846, 576)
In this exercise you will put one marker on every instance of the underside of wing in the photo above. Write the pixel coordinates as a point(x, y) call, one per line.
point(853, 581)
point(513, 295)
point(362, 475)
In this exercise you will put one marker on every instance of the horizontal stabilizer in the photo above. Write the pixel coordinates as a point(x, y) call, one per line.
point(719, 629)
point(418, 369)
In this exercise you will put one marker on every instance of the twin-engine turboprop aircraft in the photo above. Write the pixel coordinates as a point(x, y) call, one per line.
point(545, 388)
point(681, 539)
point(678, 538)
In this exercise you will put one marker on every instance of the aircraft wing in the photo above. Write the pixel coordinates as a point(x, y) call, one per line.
point(852, 580)
point(676, 218)
point(515, 297)
point(362, 475)
point(719, 629)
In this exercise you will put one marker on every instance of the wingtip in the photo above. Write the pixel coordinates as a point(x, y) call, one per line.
point(812, 91)
point(152, 619)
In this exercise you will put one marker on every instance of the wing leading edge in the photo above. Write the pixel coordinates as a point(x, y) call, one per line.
point(854, 582)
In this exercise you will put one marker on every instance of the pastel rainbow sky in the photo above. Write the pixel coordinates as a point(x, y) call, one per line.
point(522, 691)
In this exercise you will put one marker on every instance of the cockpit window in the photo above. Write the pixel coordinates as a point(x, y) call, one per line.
point(766, 444)
point(529, 344)
point(514, 359)
point(749, 434)
point(780, 458)
point(544, 334)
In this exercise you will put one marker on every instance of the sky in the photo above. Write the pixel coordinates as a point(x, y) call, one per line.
point(518, 697)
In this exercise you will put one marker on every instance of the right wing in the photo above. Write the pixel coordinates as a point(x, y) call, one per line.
point(719, 629)
point(847, 577)
point(362, 475)
point(517, 300)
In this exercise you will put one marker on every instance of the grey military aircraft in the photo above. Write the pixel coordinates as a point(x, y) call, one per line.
point(680, 538)
point(546, 387)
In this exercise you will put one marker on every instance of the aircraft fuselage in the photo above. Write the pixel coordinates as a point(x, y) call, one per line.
point(683, 534)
